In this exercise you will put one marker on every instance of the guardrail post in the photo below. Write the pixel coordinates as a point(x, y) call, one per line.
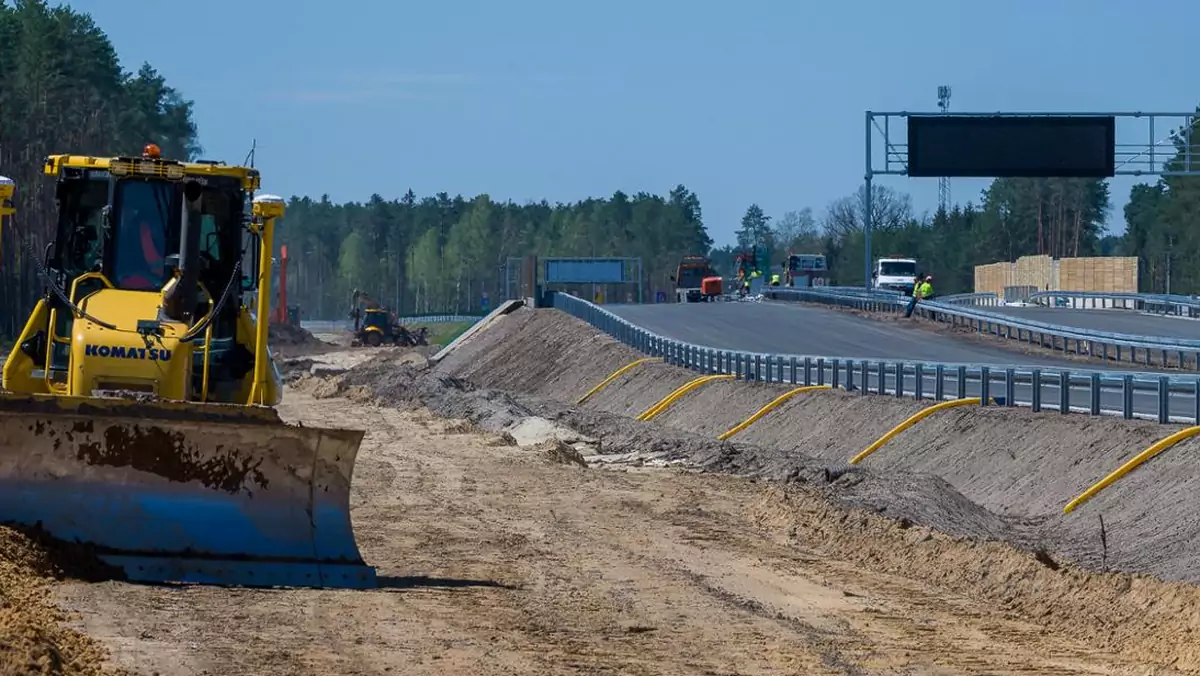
point(899, 379)
point(866, 377)
point(1064, 391)
point(770, 370)
point(985, 385)
point(850, 376)
point(1036, 393)
point(962, 382)
point(793, 367)
point(1010, 387)
point(1164, 399)
point(1095, 393)
point(1127, 398)
point(836, 370)
point(939, 386)
point(807, 371)
point(882, 378)
point(1196, 402)
point(737, 365)
point(919, 385)
point(820, 370)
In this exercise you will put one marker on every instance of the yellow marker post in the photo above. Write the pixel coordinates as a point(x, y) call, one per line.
point(912, 420)
point(1132, 464)
point(665, 403)
point(613, 376)
point(768, 408)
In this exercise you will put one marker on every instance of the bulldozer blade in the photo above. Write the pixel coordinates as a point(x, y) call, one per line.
point(184, 492)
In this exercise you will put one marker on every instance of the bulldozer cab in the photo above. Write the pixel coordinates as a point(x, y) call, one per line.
point(172, 247)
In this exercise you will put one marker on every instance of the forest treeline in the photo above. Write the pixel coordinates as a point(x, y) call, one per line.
point(62, 89)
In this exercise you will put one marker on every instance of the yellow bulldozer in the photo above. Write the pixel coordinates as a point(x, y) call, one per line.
point(138, 413)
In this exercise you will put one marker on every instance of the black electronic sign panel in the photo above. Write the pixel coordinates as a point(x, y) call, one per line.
point(992, 146)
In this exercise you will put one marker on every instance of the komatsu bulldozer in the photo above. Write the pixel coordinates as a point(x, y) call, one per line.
point(139, 417)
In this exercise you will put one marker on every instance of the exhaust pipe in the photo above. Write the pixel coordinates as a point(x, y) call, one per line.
point(180, 301)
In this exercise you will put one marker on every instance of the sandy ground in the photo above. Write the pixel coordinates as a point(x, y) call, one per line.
point(498, 560)
point(34, 638)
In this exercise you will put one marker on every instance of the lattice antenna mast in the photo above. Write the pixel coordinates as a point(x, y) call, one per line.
point(944, 182)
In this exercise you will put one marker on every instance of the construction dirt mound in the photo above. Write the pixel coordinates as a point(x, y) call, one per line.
point(34, 634)
point(991, 473)
point(287, 334)
point(969, 500)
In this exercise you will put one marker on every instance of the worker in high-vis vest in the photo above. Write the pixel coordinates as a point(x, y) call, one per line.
point(774, 279)
point(927, 288)
point(918, 287)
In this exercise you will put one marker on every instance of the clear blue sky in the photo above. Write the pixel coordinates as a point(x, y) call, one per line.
point(755, 101)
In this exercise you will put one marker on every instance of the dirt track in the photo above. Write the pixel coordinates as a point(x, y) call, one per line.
point(499, 559)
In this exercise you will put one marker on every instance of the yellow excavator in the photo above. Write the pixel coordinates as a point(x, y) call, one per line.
point(138, 414)
point(374, 325)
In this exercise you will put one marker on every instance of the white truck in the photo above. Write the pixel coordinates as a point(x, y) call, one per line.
point(894, 274)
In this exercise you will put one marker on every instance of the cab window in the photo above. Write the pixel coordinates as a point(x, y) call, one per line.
point(141, 231)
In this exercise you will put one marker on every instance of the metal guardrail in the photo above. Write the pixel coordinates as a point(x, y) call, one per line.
point(1153, 351)
point(334, 326)
point(980, 299)
point(325, 326)
point(440, 319)
point(1152, 396)
point(1162, 304)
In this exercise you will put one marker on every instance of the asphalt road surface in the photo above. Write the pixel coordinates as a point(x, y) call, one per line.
point(1111, 321)
point(784, 328)
point(781, 328)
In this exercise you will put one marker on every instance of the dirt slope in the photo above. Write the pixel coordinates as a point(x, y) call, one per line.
point(35, 638)
point(1007, 471)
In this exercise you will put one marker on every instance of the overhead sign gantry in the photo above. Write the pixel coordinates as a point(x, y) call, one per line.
point(1024, 145)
